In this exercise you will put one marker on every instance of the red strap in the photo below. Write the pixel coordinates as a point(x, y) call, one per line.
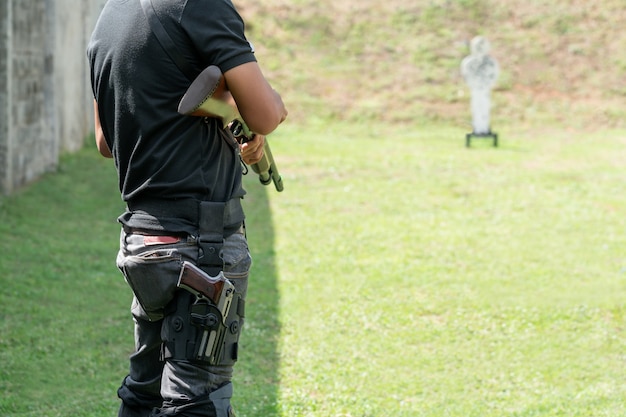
point(160, 240)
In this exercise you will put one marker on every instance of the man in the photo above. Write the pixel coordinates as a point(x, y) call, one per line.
point(180, 177)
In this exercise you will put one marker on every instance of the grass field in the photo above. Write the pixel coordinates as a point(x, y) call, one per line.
point(398, 274)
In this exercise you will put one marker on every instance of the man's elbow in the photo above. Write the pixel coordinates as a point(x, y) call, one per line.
point(102, 145)
point(266, 122)
point(104, 151)
point(265, 125)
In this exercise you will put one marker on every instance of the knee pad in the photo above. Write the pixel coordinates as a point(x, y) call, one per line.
point(194, 330)
point(215, 404)
point(136, 403)
point(221, 400)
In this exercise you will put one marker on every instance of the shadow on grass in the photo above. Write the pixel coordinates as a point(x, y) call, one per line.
point(65, 325)
point(256, 374)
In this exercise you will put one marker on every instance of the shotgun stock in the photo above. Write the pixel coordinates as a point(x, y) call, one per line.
point(207, 96)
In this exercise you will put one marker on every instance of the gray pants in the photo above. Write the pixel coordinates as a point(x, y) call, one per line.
point(174, 387)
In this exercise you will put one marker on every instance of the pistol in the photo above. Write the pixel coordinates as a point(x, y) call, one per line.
point(214, 296)
point(218, 289)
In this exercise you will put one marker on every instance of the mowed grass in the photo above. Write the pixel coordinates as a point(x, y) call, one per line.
point(398, 274)
point(421, 278)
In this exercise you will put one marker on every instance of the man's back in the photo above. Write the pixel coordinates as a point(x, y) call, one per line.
point(158, 152)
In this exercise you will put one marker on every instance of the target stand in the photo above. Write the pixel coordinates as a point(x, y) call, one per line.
point(490, 134)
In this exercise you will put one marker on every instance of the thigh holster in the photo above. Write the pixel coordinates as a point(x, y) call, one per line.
point(194, 328)
point(195, 331)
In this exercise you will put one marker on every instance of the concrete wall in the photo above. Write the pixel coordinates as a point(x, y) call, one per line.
point(4, 92)
point(45, 98)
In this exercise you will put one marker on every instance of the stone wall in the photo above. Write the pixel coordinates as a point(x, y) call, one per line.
point(45, 98)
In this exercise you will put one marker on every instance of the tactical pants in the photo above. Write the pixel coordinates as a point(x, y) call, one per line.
point(173, 387)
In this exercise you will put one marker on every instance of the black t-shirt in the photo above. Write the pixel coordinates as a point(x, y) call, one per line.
point(160, 154)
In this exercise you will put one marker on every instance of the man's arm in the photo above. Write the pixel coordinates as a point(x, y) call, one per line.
point(260, 106)
point(101, 143)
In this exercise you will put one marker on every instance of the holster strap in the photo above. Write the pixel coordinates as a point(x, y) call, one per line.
point(211, 236)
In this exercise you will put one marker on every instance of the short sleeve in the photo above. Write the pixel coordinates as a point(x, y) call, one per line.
point(216, 31)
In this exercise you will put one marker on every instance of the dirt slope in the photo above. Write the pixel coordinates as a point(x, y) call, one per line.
point(563, 62)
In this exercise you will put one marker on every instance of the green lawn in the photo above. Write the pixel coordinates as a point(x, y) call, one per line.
point(398, 274)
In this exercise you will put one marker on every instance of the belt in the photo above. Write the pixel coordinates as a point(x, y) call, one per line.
point(190, 210)
point(214, 221)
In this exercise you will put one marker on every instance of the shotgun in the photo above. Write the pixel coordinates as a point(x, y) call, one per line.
point(207, 97)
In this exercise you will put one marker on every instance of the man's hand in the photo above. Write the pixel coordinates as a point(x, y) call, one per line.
point(252, 151)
